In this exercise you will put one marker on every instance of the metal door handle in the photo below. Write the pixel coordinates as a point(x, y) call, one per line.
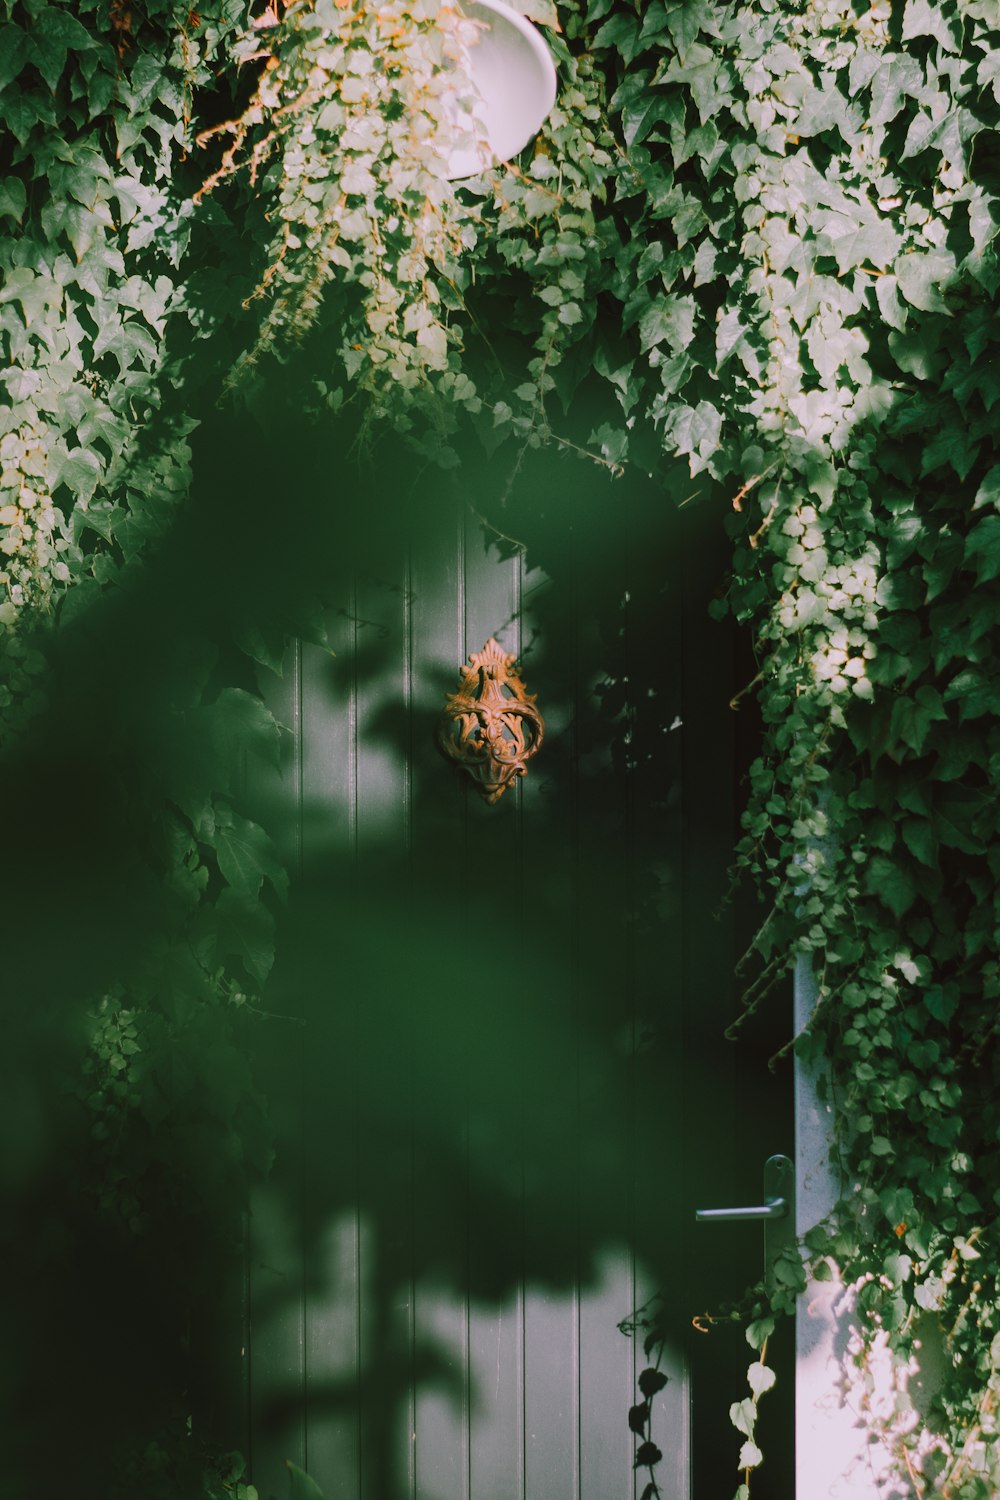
point(778, 1205)
point(774, 1208)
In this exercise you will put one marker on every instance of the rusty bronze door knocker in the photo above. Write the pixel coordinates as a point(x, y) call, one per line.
point(490, 727)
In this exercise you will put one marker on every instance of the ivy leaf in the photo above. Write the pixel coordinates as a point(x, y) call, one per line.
point(667, 320)
point(928, 18)
point(899, 77)
point(15, 53)
point(695, 431)
point(38, 295)
point(759, 1332)
point(103, 518)
point(13, 198)
point(241, 721)
point(941, 1003)
point(922, 276)
point(646, 109)
point(79, 469)
point(246, 856)
point(892, 883)
point(622, 32)
point(685, 22)
point(55, 31)
point(244, 929)
point(263, 646)
point(130, 342)
point(303, 1488)
point(750, 1455)
point(919, 837)
point(974, 693)
point(730, 332)
point(873, 244)
point(982, 547)
point(823, 109)
point(542, 11)
point(988, 492)
point(761, 1378)
point(930, 1293)
point(898, 1268)
point(889, 302)
point(864, 66)
point(989, 73)
point(743, 1415)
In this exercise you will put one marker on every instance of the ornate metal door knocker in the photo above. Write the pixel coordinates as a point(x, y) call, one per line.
point(490, 727)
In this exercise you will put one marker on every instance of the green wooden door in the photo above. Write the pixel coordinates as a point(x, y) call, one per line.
point(494, 1059)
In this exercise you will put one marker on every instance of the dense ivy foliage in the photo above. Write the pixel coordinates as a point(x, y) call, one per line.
point(756, 243)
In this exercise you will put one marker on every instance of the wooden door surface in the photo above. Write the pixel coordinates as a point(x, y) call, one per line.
point(488, 1058)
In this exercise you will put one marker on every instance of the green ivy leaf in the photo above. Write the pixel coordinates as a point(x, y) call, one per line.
point(761, 1378)
point(622, 33)
point(743, 1415)
point(919, 837)
point(929, 18)
point(13, 198)
point(244, 929)
point(55, 32)
point(38, 295)
point(759, 1331)
point(982, 547)
point(667, 320)
point(899, 77)
point(988, 492)
point(542, 11)
point(892, 883)
point(240, 721)
point(246, 857)
point(923, 276)
point(302, 1487)
point(750, 1455)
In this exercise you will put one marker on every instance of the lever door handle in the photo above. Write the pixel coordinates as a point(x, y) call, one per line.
point(778, 1208)
point(774, 1208)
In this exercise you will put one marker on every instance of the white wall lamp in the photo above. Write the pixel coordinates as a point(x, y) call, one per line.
point(512, 72)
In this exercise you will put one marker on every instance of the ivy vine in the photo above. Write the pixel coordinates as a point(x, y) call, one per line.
point(758, 242)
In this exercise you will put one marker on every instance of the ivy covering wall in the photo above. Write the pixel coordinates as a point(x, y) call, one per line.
point(753, 253)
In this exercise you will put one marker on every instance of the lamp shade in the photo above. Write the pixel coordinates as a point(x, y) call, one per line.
point(512, 72)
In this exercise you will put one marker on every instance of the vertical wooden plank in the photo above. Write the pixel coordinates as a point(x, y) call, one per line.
point(381, 678)
point(654, 833)
point(384, 1004)
point(334, 1233)
point(275, 1268)
point(492, 602)
point(550, 1079)
point(328, 741)
point(438, 1456)
point(606, 1378)
point(714, 1137)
